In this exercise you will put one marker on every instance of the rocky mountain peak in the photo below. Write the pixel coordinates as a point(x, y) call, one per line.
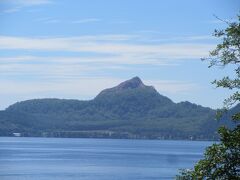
point(133, 83)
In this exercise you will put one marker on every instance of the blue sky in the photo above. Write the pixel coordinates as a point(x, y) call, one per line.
point(75, 48)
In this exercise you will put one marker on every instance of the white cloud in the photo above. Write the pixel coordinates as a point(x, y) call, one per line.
point(69, 76)
point(24, 3)
point(120, 22)
point(48, 20)
point(101, 61)
point(88, 86)
point(173, 87)
point(12, 10)
point(86, 20)
point(17, 5)
point(80, 88)
point(86, 44)
point(107, 52)
point(184, 38)
point(31, 2)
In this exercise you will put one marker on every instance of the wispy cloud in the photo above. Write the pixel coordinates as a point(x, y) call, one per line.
point(120, 22)
point(184, 38)
point(69, 76)
point(17, 5)
point(79, 88)
point(90, 86)
point(86, 20)
point(92, 44)
point(157, 37)
point(12, 10)
point(29, 2)
point(104, 52)
point(48, 20)
point(101, 53)
point(173, 87)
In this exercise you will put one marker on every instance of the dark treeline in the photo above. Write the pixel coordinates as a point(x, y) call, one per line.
point(129, 110)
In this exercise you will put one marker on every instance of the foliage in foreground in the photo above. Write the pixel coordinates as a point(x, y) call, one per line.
point(222, 160)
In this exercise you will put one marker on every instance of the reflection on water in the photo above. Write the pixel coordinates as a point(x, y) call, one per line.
point(95, 159)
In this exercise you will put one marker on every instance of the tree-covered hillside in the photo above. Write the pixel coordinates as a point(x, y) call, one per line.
point(129, 110)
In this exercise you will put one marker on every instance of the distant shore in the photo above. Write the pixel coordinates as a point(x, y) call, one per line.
point(103, 134)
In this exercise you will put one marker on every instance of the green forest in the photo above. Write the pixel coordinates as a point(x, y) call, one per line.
point(129, 110)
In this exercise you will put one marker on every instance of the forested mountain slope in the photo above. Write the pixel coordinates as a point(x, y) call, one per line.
point(129, 110)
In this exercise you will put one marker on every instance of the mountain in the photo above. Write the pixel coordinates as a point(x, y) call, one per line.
point(129, 110)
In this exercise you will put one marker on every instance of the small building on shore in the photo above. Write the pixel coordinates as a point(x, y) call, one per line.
point(17, 134)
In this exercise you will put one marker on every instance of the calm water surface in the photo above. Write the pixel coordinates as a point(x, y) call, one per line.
point(95, 159)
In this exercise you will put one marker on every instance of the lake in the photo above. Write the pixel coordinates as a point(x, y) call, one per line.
point(95, 159)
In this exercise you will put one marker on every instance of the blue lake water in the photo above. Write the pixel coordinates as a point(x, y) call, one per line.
point(95, 159)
